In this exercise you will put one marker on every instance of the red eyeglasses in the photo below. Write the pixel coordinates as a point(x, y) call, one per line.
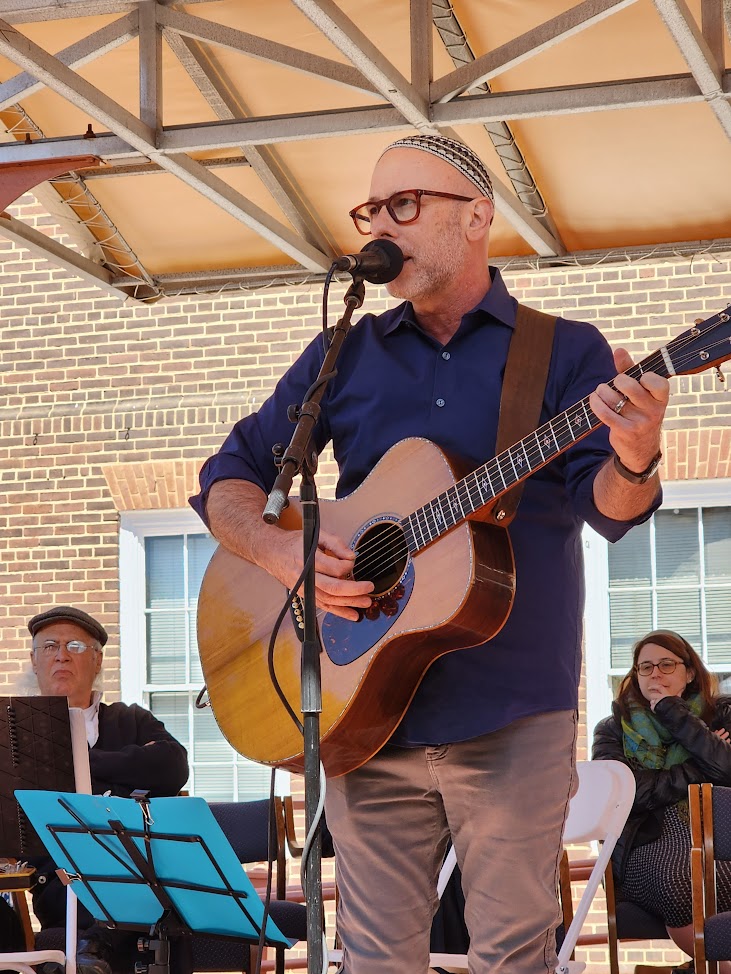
point(403, 207)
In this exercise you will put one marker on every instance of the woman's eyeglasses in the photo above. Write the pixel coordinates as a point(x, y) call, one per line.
point(666, 666)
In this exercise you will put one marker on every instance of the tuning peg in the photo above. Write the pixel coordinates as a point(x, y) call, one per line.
point(698, 321)
point(719, 375)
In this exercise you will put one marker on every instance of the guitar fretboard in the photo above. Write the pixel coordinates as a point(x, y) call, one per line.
point(513, 465)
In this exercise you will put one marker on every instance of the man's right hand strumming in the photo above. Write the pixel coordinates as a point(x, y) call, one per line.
point(234, 509)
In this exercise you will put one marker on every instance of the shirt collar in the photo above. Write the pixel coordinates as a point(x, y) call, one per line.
point(497, 303)
point(91, 718)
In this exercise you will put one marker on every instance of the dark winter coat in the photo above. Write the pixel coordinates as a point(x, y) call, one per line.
point(134, 750)
point(710, 760)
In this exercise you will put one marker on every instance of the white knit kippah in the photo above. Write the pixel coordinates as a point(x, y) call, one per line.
point(455, 153)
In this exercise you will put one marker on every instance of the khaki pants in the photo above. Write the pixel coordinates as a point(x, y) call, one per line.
point(503, 798)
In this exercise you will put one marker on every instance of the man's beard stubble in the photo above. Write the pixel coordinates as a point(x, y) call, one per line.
point(434, 266)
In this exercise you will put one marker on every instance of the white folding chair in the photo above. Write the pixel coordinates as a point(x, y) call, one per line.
point(598, 811)
point(25, 961)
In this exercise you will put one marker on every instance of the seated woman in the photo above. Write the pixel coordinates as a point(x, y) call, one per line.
point(672, 729)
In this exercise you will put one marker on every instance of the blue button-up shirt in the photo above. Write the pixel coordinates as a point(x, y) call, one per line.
point(395, 381)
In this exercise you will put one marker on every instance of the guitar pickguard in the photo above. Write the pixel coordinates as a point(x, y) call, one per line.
point(346, 641)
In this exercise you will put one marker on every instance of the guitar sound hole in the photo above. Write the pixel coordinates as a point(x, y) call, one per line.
point(380, 557)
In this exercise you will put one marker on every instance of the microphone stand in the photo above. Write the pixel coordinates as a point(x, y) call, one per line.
point(300, 458)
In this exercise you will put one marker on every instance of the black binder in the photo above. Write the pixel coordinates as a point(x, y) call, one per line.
point(35, 753)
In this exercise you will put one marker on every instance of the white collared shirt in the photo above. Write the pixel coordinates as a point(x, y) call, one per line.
point(91, 717)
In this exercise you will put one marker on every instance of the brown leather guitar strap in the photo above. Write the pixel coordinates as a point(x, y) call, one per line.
point(524, 383)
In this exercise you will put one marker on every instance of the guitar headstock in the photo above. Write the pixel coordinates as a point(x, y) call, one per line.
point(706, 345)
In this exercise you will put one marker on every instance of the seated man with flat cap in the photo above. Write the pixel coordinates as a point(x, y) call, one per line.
point(129, 749)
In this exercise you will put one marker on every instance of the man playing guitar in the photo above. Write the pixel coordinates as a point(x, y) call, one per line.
point(484, 753)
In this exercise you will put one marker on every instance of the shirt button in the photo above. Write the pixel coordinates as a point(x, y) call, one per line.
point(440, 402)
point(446, 356)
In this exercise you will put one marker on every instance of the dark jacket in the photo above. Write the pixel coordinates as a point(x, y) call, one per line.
point(133, 751)
point(710, 760)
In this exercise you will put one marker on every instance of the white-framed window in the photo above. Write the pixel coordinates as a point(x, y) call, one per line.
point(162, 558)
point(672, 572)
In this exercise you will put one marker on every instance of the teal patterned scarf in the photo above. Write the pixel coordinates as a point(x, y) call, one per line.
point(648, 744)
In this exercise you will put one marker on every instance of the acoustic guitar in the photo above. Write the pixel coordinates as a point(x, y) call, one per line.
point(444, 580)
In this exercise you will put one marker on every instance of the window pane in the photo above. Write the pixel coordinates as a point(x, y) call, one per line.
point(718, 625)
point(164, 563)
point(677, 546)
point(631, 617)
point(172, 710)
point(200, 550)
point(717, 542)
point(217, 772)
point(166, 647)
point(215, 784)
point(196, 673)
point(681, 611)
point(209, 743)
point(629, 559)
point(253, 780)
point(615, 684)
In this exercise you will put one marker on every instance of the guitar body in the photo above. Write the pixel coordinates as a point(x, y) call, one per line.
point(453, 593)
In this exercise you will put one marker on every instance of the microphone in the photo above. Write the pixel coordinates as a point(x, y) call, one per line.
point(379, 262)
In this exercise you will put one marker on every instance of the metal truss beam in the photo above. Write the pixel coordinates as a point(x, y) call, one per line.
point(104, 145)
point(44, 246)
point(570, 100)
point(33, 11)
point(365, 56)
point(706, 70)
point(530, 229)
point(150, 66)
point(146, 168)
point(56, 76)
point(469, 109)
point(76, 56)
point(81, 217)
point(242, 278)
point(528, 214)
point(29, 56)
point(422, 48)
point(538, 103)
point(712, 27)
point(528, 45)
point(257, 47)
point(263, 160)
point(237, 206)
point(136, 140)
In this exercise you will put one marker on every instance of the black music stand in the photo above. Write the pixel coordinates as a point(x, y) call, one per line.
point(162, 866)
point(35, 752)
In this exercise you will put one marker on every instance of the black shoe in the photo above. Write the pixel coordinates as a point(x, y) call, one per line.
point(93, 957)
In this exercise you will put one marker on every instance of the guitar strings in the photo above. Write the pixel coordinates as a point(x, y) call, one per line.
point(380, 555)
point(371, 557)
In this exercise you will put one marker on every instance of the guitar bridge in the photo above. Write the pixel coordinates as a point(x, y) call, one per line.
point(297, 612)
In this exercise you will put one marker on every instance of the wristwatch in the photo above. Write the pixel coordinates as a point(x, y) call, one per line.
point(638, 478)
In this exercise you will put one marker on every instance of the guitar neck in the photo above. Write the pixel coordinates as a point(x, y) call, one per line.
point(496, 477)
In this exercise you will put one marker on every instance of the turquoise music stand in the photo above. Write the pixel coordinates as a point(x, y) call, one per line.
point(161, 865)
